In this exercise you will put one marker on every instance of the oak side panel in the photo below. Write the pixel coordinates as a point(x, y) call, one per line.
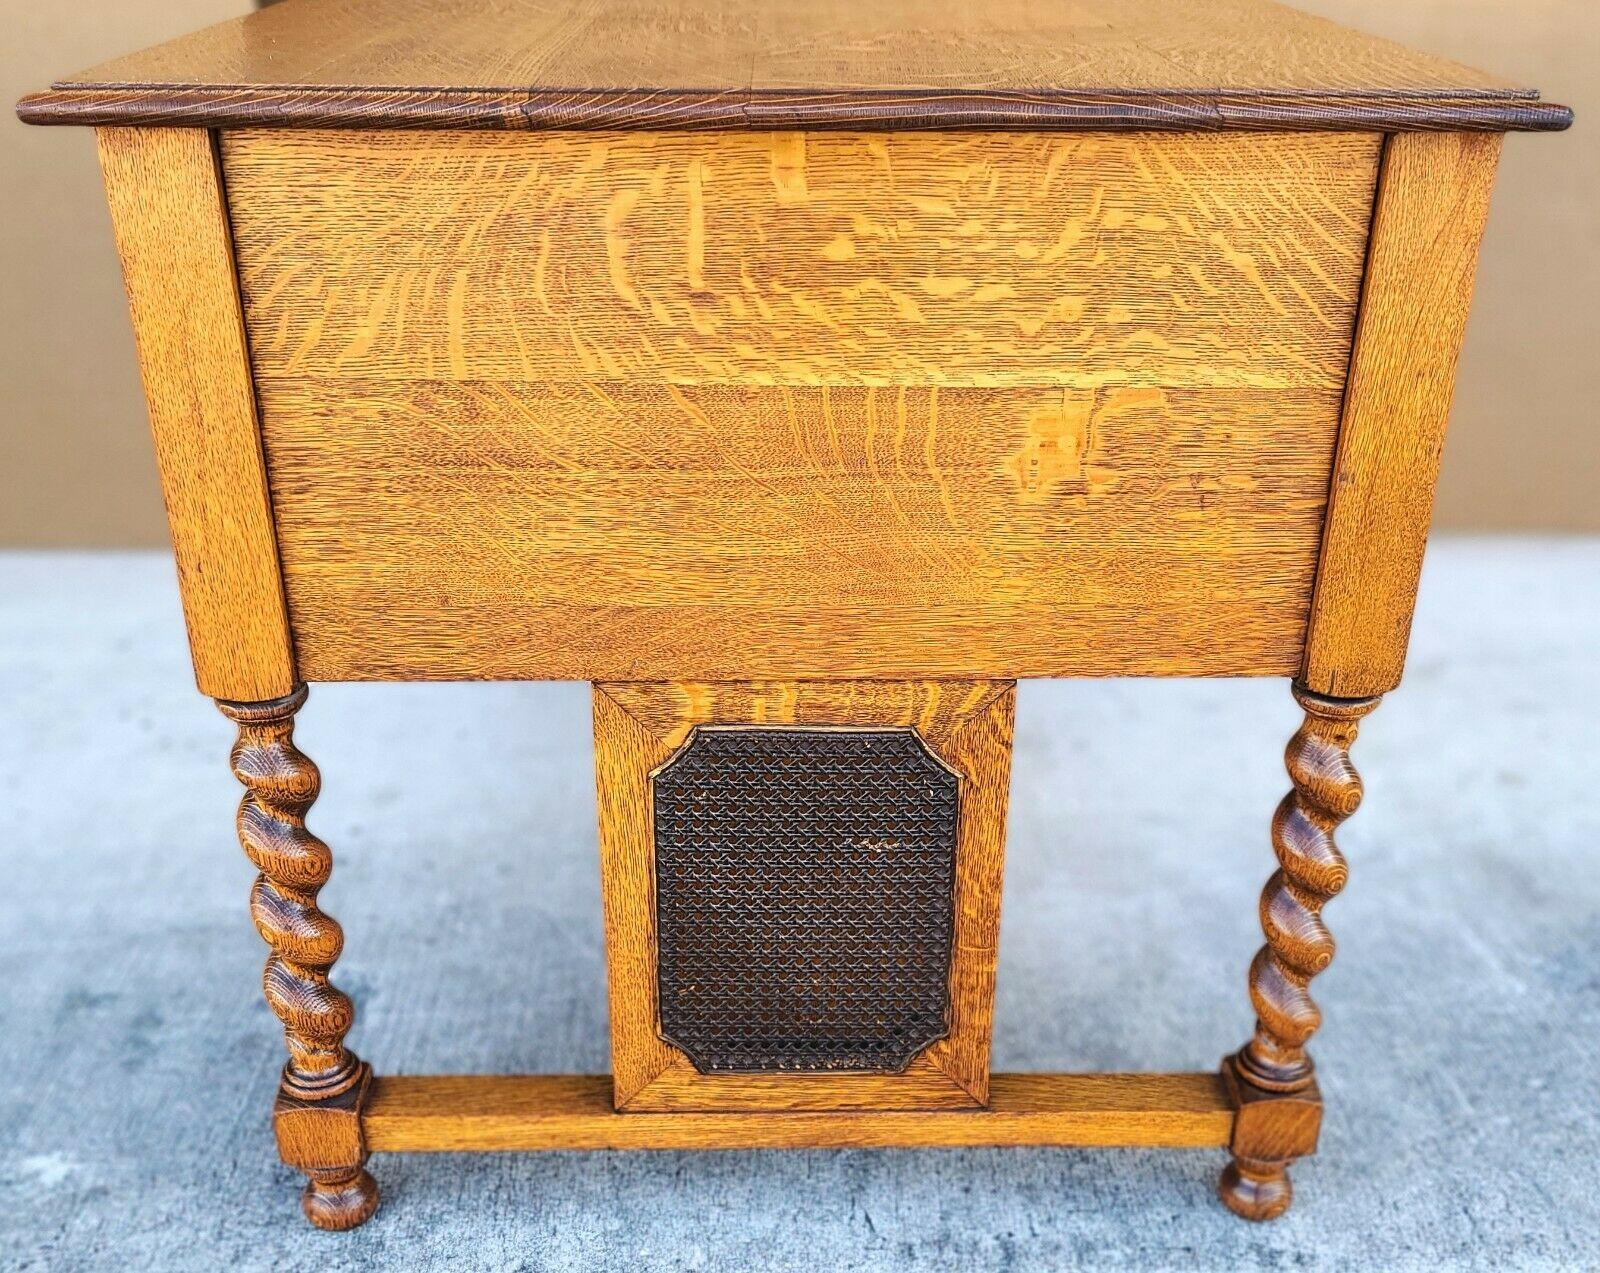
point(171, 223)
point(639, 725)
point(560, 1111)
point(733, 406)
point(1433, 200)
point(737, 405)
point(640, 532)
point(792, 258)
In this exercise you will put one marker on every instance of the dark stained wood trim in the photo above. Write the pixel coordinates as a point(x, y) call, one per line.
point(1454, 115)
point(1179, 110)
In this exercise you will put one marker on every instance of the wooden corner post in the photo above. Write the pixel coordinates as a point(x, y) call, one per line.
point(1432, 204)
point(169, 210)
point(170, 215)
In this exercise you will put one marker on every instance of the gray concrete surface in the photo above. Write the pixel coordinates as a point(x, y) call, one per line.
point(1463, 1011)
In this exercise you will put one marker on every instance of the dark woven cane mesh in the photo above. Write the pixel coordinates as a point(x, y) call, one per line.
point(804, 894)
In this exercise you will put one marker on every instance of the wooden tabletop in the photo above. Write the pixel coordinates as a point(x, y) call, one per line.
point(1057, 64)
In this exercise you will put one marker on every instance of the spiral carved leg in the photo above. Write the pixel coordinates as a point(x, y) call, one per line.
point(1272, 1080)
point(318, 1112)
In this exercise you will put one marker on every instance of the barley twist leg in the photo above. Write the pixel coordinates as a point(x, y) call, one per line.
point(317, 1116)
point(1272, 1077)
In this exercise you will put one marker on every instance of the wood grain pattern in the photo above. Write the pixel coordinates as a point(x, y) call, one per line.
point(864, 342)
point(464, 345)
point(668, 711)
point(1270, 1130)
point(323, 1138)
point(1433, 201)
point(639, 726)
point(979, 748)
point(803, 259)
point(816, 63)
point(680, 1088)
point(1271, 1079)
point(317, 1117)
point(612, 531)
point(1326, 790)
point(495, 1112)
point(626, 753)
point(171, 223)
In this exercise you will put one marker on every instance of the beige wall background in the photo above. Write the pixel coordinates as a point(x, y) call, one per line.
point(75, 462)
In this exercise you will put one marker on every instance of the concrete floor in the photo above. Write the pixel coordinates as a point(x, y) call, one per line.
point(1463, 1011)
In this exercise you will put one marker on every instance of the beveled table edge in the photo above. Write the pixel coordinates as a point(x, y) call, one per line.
point(258, 106)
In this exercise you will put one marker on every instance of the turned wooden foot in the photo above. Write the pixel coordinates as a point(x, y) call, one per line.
point(339, 1197)
point(317, 1117)
point(1255, 1190)
point(1278, 1109)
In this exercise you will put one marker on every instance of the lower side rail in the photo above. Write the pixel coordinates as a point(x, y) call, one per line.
point(574, 1111)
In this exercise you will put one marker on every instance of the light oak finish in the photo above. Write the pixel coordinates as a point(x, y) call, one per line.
point(668, 711)
point(171, 222)
point(625, 755)
point(801, 405)
point(899, 64)
point(486, 1112)
point(609, 531)
point(1432, 205)
point(950, 259)
point(680, 1088)
point(638, 728)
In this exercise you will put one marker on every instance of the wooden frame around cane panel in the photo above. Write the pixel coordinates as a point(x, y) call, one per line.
point(640, 726)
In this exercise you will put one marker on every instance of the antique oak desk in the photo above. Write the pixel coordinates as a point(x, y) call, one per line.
point(802, 375)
